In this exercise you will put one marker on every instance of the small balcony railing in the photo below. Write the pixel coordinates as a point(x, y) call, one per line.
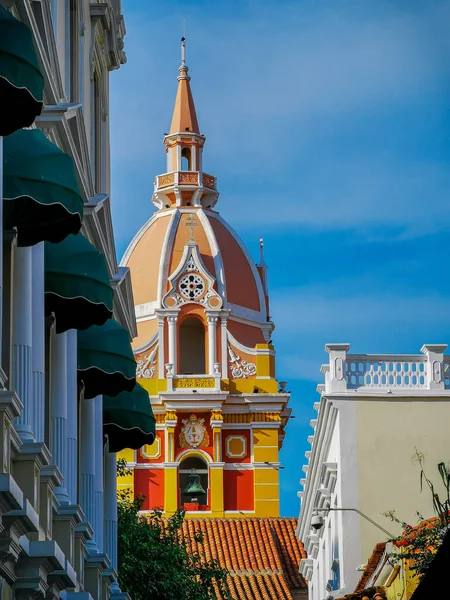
point(185, 178)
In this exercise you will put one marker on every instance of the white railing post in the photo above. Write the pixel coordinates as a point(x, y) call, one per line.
point(336, 381)
point(435, 365)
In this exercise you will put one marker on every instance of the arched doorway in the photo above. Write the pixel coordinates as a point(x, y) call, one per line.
point(192, 347)
point(199, 466)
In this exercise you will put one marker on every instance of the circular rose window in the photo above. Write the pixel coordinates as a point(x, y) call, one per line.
point(191, 286)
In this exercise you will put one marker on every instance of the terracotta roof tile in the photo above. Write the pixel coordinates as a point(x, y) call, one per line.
point(371, 566)
point(262, 555)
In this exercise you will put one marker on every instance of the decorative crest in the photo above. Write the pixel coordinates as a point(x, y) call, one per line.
point(193, 433)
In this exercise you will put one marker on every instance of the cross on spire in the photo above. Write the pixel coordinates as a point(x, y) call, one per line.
point(191, 223)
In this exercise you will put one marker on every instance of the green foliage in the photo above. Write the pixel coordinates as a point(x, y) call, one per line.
point(154, 562)
point(419, 544)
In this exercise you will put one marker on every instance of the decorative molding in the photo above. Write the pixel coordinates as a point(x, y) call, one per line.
point(146, 367)
point(240, 369)
point(193, 382)
point(191, 282)
point(234, 440)
point(152, 451)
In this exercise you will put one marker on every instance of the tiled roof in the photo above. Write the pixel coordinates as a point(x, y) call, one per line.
point(371, 566)
point(262, 555)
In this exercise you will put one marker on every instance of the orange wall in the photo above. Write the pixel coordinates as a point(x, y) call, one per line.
point(238, 490)
point(150, 483)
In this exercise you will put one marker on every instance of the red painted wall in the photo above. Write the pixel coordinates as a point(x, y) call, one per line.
point(240, 432)
point(238, 490)
point(150, 483)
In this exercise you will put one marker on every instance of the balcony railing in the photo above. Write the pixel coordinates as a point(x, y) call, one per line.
point(188, 178)
point(387, 372)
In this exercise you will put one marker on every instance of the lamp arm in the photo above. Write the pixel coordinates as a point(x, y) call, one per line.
point(361, 514)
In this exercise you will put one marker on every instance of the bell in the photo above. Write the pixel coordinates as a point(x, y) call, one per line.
point(193, 487)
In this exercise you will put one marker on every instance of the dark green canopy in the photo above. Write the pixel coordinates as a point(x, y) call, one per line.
point(106, 363)
point(21, 81)
point(41, 195)
point(128, 420)
point(77, 287)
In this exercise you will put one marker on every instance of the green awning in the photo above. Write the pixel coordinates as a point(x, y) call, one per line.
point(21, 81)
point(128, 420)
point(77, 287)
point(41, 195)
point(106, 363)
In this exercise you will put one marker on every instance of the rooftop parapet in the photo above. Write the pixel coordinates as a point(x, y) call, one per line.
point(386, 373)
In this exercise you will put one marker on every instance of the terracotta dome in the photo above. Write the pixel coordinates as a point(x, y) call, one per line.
point(186, 260)
point(157, 250)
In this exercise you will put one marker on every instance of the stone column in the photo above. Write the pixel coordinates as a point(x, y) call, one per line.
point(172, 323)
point(2, 375)
point(161, 373)
point(212, 351)
point(224, 347)
point(58, 409)
point(98, 481)
point(110, 538)
point(38, 343)
point(72, 417)
point(22, 339)
point(87, 465)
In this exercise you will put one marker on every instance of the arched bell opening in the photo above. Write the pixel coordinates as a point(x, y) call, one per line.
point(186, 159)
point(193, 481)
point(192, 347)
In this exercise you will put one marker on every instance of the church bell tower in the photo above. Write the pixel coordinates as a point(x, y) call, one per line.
point(204, 350)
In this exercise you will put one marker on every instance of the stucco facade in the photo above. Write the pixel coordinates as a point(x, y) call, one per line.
point(59, 527)
point(373, 413)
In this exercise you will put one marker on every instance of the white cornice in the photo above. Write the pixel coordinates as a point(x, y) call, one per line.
point(323, 434)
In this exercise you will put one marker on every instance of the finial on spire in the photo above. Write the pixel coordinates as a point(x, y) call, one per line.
point(183, 53)
point(261, 252)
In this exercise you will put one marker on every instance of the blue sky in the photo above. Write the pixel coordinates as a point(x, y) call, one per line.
point(327, 126)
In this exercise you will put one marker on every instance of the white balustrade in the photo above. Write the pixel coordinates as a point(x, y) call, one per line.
point(429, 370)
point(387, 371)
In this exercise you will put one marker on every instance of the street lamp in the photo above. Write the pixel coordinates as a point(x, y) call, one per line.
point(317, 521)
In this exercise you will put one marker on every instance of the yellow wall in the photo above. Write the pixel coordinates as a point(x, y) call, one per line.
point(267, 490)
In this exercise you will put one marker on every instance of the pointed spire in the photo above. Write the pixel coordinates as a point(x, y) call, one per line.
point(184, 116)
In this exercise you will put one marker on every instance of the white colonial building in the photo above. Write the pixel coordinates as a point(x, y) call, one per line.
point(374, 413)
point(67, 313)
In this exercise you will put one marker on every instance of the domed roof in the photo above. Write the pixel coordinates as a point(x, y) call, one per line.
point(157, 250)
point(186, 254)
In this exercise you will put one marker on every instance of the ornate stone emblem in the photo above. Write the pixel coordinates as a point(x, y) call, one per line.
point(193, 433)
point(240, 369)
point(145, 368)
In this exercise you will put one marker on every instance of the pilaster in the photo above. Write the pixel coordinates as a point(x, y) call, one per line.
point(87, 464)
point(38, 343)
point(172, 318)
point(72, 418)
point(110, 534)
point(21, 376)
point(58, 408)
point(211, 319)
